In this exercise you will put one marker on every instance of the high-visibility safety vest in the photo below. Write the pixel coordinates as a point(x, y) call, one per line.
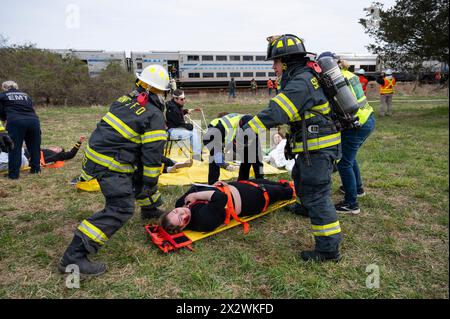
point(364, 107)
point(231, 123)
point(2, 128)
point(269, 84)
point(388, 86)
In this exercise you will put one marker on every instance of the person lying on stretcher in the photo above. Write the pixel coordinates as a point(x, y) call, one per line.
point(202, 207)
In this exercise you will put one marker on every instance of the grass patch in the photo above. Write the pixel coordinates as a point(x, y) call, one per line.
point(403, 226)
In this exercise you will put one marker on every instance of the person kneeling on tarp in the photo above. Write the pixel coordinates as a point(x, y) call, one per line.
point(204, 208)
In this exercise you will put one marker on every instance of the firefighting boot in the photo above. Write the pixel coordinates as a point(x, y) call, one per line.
point(314, 255)
point(76, 254)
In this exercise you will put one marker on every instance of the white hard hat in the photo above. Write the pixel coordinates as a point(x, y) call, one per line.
point(388, 72)
point(361, 72)
point(156, 76)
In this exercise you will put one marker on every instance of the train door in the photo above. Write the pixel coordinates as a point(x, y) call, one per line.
point(173, 68)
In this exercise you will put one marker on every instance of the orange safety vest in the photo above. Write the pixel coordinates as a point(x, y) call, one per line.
point(57, 164)
point(388, 86)
point(229, 209)
point(269, 84)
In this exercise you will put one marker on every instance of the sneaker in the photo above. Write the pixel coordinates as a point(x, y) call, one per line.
point(359, 193)
point(314, 255)
point(75, 180)
point(344, 207)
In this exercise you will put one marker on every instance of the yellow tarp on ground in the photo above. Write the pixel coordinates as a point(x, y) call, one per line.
point(25, 168)
point(194, 235)
point(197, 173)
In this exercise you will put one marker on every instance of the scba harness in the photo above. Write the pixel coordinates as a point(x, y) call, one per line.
point(337, 90)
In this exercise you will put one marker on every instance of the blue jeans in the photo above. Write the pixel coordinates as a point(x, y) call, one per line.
point(232, 93)
point(351, 141)
point(192, 136)
point(27, 130)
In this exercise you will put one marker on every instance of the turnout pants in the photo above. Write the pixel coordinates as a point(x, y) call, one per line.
point(313, 187)
point(119, 208)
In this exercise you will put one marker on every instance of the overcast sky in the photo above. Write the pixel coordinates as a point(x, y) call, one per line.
point(228, 25)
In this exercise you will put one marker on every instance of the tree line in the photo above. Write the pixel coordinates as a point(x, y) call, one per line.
point(51, 79)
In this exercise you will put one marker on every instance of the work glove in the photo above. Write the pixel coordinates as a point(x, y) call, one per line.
point(6, 143)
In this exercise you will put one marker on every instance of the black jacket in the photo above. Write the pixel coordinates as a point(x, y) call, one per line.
point(16, 105)
point(175, 116)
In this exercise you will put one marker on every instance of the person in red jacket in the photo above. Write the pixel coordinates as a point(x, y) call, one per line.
point(270, 86)
point(362, 79)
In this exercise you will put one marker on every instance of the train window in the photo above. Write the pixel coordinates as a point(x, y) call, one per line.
point(235, 74)
point(351, 68)
point(221, 58)
point(260, 74)
point(272, 74)
point(248, 74)
point(193, 58)
point(260, 58)
point(222, 74)
point(208, 75)
point(194, 75)
point(247, 57)
point(368, 68)
point(207, 58)
point(235, 58)
point(139, 65)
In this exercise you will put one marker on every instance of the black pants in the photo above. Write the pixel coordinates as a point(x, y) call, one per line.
point(244, 169)
point(28, 130)
point(277, 192)
point(246, 164)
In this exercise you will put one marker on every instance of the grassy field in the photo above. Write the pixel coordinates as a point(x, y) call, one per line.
point(403, 226)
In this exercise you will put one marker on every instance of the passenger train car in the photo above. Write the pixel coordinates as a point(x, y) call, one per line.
point(204, 68)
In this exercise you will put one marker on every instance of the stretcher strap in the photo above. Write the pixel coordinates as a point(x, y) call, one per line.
point(229, 209)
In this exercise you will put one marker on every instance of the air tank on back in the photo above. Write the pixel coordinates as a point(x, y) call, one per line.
point(344, 99)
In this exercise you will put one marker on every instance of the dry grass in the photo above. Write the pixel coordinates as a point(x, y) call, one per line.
point(403, 226)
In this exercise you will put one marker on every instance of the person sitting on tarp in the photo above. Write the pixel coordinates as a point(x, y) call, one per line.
point(276, 156)
point(203, 207)
point(55, 154)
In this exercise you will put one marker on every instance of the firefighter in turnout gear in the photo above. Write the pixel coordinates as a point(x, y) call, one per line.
point(313, 140)
point(124, 155)
point(6, 143)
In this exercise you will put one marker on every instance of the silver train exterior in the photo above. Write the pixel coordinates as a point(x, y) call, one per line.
point(204, 68)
